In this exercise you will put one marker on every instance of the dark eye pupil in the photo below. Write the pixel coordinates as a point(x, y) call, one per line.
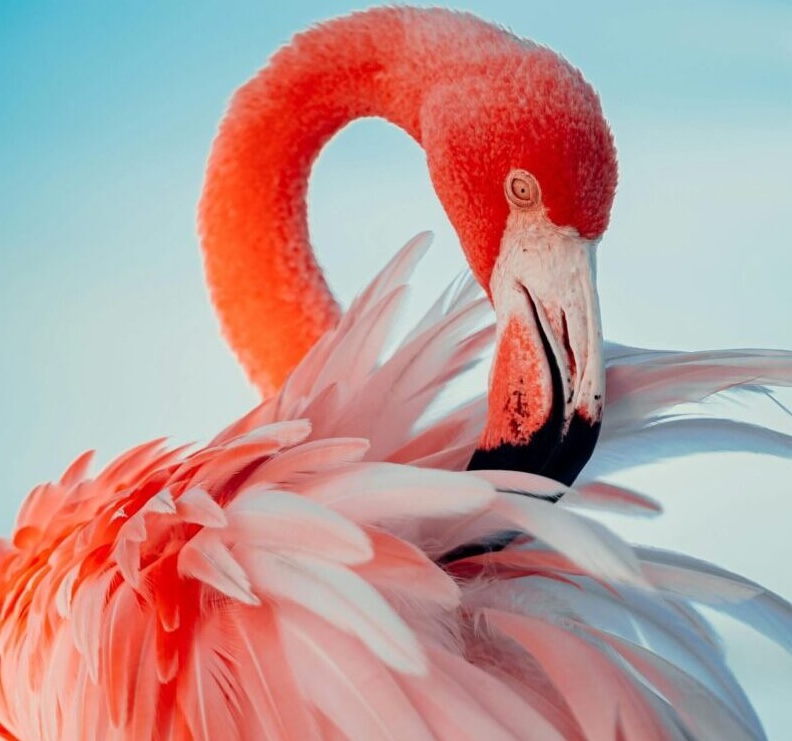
point(520, 189)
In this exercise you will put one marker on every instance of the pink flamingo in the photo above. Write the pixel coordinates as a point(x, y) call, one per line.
point(325, 568)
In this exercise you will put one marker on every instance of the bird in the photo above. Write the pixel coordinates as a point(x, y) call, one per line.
point(352, 559)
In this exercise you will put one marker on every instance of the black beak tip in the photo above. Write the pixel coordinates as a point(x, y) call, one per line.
point(544, 454)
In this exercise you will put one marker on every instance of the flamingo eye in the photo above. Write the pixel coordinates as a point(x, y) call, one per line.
point(522, 189)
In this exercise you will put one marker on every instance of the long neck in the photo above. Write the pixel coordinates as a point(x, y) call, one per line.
point(268, 289)
point(271, 297)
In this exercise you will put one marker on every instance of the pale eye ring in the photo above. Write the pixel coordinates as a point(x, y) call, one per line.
point(522, 189)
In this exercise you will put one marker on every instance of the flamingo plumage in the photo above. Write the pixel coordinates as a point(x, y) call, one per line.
point(325, 568)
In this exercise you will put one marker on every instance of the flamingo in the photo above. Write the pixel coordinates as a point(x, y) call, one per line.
point(348, 561)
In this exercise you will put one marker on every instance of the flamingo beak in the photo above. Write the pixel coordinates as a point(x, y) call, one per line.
point(547, 382)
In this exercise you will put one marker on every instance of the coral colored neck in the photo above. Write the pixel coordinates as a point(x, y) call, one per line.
point(265, 282)
point(266, 285)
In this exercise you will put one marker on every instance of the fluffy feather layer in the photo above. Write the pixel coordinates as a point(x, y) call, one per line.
point(286, 581)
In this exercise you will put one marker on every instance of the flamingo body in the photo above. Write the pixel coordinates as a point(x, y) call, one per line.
point(296, 577)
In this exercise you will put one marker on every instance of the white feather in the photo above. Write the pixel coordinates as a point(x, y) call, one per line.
point(341, 597)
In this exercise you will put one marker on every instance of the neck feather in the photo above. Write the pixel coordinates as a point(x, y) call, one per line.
point(268, 289)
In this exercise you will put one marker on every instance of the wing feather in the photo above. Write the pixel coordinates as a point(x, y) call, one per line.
point(346, 682)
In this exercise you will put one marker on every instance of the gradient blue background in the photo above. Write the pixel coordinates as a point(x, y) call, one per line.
point(107, 111)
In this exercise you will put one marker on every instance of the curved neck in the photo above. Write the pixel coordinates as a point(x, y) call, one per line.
point(269, 291)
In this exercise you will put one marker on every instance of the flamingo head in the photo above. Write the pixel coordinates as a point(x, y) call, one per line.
point(524, 163)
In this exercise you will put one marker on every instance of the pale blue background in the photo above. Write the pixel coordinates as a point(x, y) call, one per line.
point(107, 111)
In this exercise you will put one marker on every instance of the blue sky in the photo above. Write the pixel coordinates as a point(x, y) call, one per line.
point(107, 112)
